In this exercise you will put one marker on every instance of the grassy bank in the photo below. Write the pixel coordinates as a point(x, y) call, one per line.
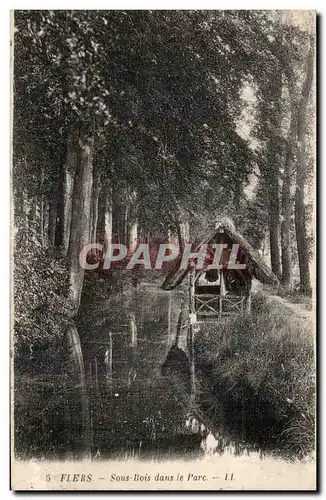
point(257, 375)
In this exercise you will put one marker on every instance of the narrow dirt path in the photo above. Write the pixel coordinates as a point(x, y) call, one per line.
point(298, 308)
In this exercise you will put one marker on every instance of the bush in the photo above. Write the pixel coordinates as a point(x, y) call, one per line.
point(41, 317)
point(41, 287)
point(260, 369)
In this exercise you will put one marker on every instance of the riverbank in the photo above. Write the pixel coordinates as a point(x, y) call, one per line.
point(257, 378)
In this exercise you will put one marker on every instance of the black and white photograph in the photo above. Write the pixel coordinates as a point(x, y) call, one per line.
point(163, 248)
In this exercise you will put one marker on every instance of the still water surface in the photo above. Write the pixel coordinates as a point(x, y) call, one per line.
point(135, 409)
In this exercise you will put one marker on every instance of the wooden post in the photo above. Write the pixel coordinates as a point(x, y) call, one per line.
point(248, 303)
point(220, 306)
point(179, 325)
point(192, 290)
point(222, 294)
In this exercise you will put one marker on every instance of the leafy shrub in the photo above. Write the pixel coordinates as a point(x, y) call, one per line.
point(260, 368)
point(41, 307)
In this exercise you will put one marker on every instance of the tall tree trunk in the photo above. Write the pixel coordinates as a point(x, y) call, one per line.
point(274, 227)
point(172, 237)
point(104, 226)
point(79, 235)
point(273, 173)
point(286, 224)
point(300, 209)
point(287, 275)
point(68, 204)
point(133, 235)
point(60, 206)
point(108, 217)
point(184, 228)
point(120, 214)
point(181, 241)
point(125, 220)
point(95, 198)
point(287, 207)
point(80, 218)
point(36, 219)
point(65, 192)
point(133, 222)
point(95, 210)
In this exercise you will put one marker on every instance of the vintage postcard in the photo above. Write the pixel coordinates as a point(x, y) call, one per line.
point(163, 250)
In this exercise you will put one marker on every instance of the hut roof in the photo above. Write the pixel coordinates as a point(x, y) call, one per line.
point(260, 269)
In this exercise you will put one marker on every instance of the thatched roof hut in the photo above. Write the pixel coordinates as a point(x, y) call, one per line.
point(222, 232)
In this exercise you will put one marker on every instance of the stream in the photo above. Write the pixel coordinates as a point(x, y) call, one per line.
point(142, 400)
point(138, 374)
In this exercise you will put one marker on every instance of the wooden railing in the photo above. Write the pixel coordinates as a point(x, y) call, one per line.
point(216, 306)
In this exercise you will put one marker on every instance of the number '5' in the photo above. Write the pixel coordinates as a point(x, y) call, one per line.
point(47, 477)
